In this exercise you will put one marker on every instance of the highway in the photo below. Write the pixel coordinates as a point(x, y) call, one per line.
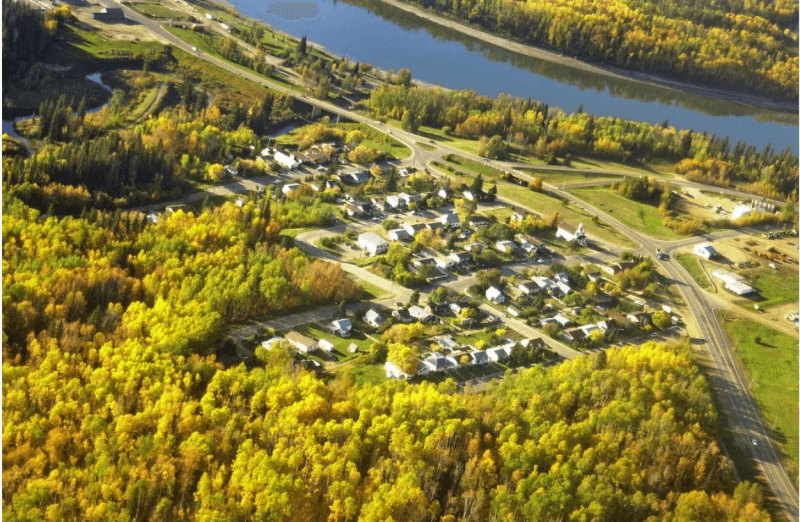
point(748, 424)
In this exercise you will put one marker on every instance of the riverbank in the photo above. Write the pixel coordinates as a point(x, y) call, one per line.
point(612, 72)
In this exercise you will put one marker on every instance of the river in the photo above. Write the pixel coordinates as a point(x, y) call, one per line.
point(370, 31)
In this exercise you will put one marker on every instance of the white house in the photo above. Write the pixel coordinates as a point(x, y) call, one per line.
point(449, 220)
point(419, 313)
point(740, 211)
point(498, 354)
point(210, 16)
point(506, 246)
point(545, 284)
point(494, 295)
point(570, 233)
point(393, 372)
point(514, 311)
point(394, 201)
point(373, 243)
point(286, 160)
point(374, 319)
point(705, 250)
point(733, 282)
point(413, 228)
point(290, 187)
point(341, 327)
point(460, 257)
point(269, 343)
point(399, 234)
point(478, 357)
point(445, 263)
point(152, 217)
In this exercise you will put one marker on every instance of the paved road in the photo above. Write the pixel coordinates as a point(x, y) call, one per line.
point(748, 424)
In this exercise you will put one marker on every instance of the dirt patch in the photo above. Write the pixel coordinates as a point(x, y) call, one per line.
point(704, 206)
point(128, 31)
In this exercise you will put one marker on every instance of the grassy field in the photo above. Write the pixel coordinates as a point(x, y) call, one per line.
point(370, 291)
point(546, 205)
point(368, 373)
point(378, 140)
point(693, 265)
point(559, 177)
point(639, 216)
point(472, 166)
point(775, 286)
point(771, 360)
point(340, 345)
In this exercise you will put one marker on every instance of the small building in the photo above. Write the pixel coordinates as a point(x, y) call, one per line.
point(475, 248)
point(420, 314)
point(445, 263)
point(494, 295)
point(576, 335)
point(478, 357)
point(498, 353)
point(519, 215)
point(341, 327)
point(379, 204)
point(506, 247)
point(528, 287)
point(374, 319)
point(561, 277)
point(434, 226)
point(639, 318)
point(461, 257)
point(352, 210)
point(458, 306)
point(479, 221)
point(394, 201)
point(570, 233)
point(288, 161)
point(210, 16)
point(705, 250)
point(109, 14)
point(373, 243)
point(445, 193)
point(514, 311)
point(402, 315)
point(325, 345)
point(529, 244)
point(740, 211)
point(437, 308)
point(269, 343)
point(733, 282)
point(289, 187)
point(302, 342)
point(399, 234)
point(450, 220)
point(152, 217)
point(413, 228)
point(470, 196)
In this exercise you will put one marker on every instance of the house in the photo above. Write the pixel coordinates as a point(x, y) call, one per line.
point(589, 328)
point(449, 220)
point(419, 262)
point(457, 306)
point(269, 343)
point(494, 295)
point(576, 335)
point(733, 282)
point(445, 193)
point(171, 209)
point(461, 258)
point(396, 202)
point(352, 210)
point(302, 342)
point(478, 357)
point(330, 185)
point(533, 343)
point(528, 287)
point(288, 161)
point(393, 372)
point(528, 244)
point(400, 234)
point(616, 268)
point(373, 243)
point(408, 198)
point(434, 226)
point(352, 348)
point(325, 345)
point(435, 362)
point(152, 217)
point(379, 204)
point(413, 228)
point(230, 170)
point(595, 277)
point(705, 250)
point(479, 221)
point(445, 263)
point(519, 215)
point(562, 277)
point(498, 353)
point(545, 284)
point(475, 248)
point(514, 311)
point(420, 314)
point(374, 319)
point(446, 342)
point(210, 16)
point(402, 315)
point(506, 247)
point(317, 156)
point(109, 14)
point(341, 327)
point(563, 289)
point(557, 319)
point(289, 187)
point(437, 308)
point(570, 233)
point(469, 195)
point(607, 325)
point(355, 178)
point(639, 318)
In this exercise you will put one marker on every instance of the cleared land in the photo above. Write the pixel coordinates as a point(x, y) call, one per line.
point(771, 360)
point(639, 216)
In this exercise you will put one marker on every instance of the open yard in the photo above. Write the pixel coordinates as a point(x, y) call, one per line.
point(775, 287)
point(639, 216)
point(693, 265)
point(340, 345)
point(771, 360)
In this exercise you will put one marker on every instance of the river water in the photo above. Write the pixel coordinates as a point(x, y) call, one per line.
point(369, 31)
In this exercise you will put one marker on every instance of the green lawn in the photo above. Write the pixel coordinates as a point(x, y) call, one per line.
point(775, 286)
point(153, 10)
point(368, 373)
point(559, 177)
point(639, 216)
point(378, 140)
point(771, 360)
point(546, 205)
point(340, 345)
point(370, 291)
point(693, 265)
point(475, 167)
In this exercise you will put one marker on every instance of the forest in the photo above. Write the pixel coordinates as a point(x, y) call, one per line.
point(737, 45)
point(533, 128)
point(116, 409)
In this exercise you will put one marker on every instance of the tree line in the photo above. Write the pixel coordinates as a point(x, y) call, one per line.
point(536, 129)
